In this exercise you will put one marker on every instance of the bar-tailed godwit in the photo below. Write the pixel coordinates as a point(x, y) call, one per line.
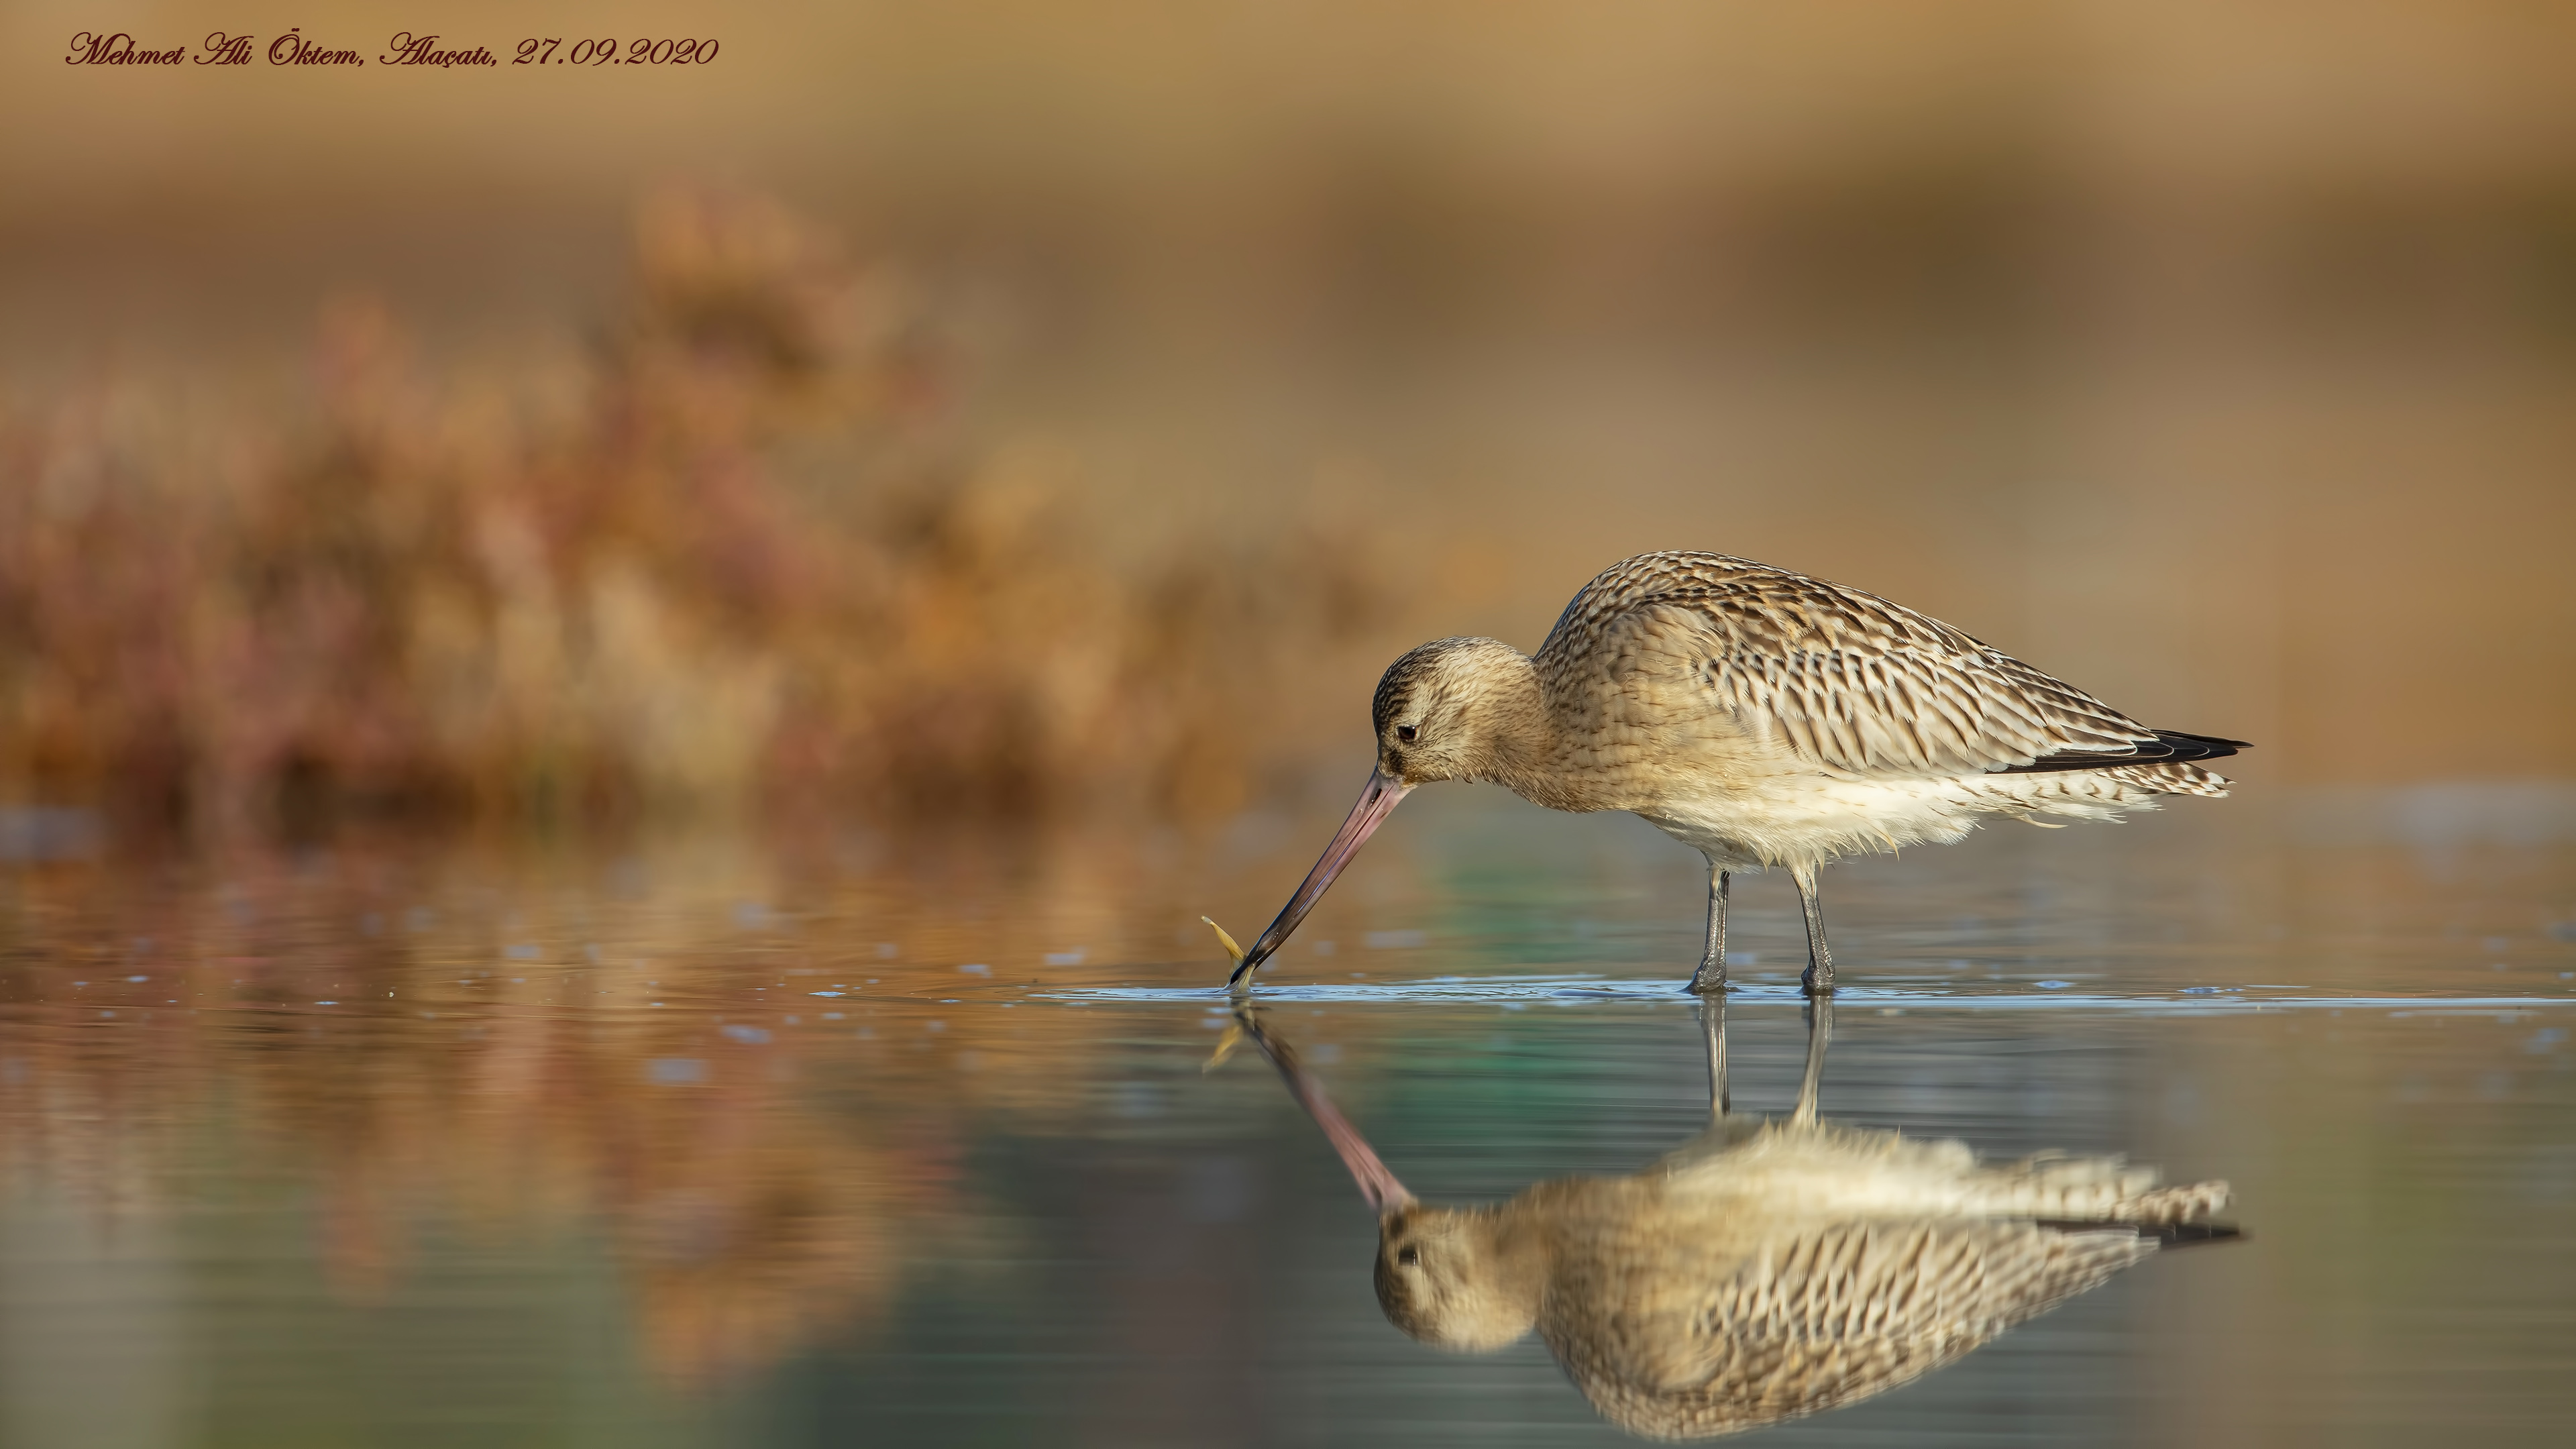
point(1764, 718)
point(1764, 1270)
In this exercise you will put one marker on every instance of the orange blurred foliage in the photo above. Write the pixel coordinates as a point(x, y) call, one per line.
point(443, 593)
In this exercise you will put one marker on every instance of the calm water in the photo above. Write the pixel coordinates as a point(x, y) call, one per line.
point(868, 1139)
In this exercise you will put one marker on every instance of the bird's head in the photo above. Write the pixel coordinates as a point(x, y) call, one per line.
point(1453, 709)
point(1454, 1278)
point(1449, 709)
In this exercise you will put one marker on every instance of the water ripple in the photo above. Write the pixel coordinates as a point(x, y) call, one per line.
point(1581, 989)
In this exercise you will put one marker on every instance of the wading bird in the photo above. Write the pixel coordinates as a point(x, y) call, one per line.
point(1762, 717)
point(1764, 1271)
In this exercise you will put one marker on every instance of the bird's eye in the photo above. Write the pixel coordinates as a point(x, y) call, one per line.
point(1406, 733)
point(1408, 1255)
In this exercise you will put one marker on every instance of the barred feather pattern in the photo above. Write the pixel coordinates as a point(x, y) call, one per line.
point(1846, 1313)
point(1766, 1278)
point(1846, 679)
point(1769, 718)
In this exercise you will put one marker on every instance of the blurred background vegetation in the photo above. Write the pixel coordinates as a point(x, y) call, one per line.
point(999, 409)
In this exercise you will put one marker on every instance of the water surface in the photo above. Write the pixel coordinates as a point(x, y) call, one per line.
point(724, 1139)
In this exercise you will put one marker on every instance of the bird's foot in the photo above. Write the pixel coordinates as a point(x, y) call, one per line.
point(1817, 982)
point(1705, 982)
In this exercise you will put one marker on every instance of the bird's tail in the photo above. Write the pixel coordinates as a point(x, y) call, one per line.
point(2177, 779)
point(2101, 1190)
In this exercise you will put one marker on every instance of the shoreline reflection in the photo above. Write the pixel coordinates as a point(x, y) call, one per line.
point(1767, 1269)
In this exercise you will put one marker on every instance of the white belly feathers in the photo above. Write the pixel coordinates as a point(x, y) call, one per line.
point(1807, 819)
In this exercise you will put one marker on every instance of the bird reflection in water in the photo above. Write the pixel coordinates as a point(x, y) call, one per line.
point(1767, 1269)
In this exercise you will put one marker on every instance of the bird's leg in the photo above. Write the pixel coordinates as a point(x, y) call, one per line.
point(1820, 1034)
point(1712, 1025)
point(1711, 975)
point(1820, 959)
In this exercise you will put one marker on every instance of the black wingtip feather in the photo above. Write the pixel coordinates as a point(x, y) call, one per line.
point(2184, 1235)
point(2170, 747)
point(2167, 1235)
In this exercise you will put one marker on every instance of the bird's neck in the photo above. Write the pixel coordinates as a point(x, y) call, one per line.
point(1517, 1249)
point(1519, 732)
point(1533, 747)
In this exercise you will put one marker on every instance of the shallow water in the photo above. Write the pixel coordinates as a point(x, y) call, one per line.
point(718, 1140)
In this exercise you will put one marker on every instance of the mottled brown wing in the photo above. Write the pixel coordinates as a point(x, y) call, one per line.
point(1842, 678)
point(1824, 1319)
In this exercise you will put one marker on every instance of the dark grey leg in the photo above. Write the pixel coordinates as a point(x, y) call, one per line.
point(1711, 975)
point(1712, 1025)
point(1820, 1034)
point(1820, 960)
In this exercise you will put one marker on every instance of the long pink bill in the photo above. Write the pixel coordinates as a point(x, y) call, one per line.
point(1376, 1183)
point(1377, 801)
